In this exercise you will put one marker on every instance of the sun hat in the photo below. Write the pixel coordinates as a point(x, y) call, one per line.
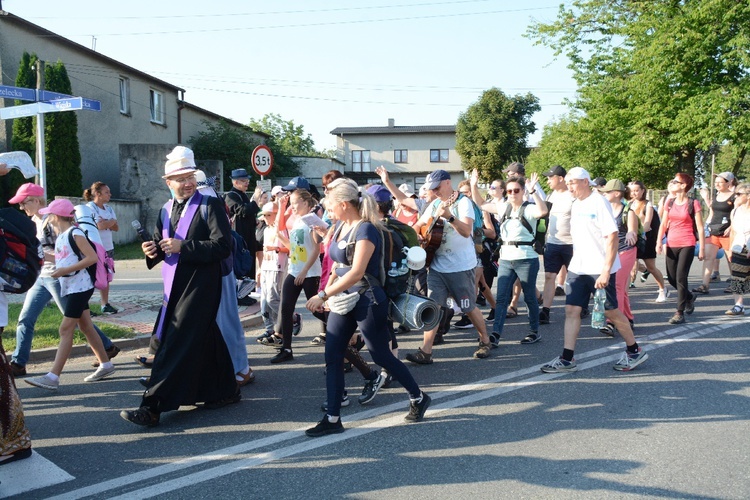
point(61, 207)
point(26, 190)
point(180, 161)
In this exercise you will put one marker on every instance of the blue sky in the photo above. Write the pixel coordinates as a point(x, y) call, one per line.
point(324, 64)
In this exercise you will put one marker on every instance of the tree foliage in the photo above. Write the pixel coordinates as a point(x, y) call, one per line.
point(493, 131)
point(286, 137)
point(660, 83)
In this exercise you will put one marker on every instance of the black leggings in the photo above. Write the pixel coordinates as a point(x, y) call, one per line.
point(678, 261)
point(289, 295)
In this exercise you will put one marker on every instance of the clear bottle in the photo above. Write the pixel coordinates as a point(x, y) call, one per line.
point(393, 271)
point(597, 316)
point(403, 269)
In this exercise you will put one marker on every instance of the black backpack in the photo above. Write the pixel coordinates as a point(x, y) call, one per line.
point(21, 255)
point(539, 234)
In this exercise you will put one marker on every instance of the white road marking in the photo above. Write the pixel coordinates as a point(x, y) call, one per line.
point(478, 391)
point(30, 474)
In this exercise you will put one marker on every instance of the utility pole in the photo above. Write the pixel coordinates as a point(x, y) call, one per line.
point(40, 158)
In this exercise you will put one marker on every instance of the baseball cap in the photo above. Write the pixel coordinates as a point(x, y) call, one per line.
point(297, 183)
point(61, 207)
point(515, 168)
point(578, 173)
point(379, 192)
point(435, 178)
point(406, 189)
point(556, 170)
point(268, 208)
point(727, 176)
point(613, 185)
point(599, 181)
point(26, 190)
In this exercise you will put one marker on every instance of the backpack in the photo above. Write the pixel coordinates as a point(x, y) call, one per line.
point(21, 255)
point(539, 234)
point(691, 213)
point(477, 230)
point(640, 243)
point(242, 259)
point(102, 271)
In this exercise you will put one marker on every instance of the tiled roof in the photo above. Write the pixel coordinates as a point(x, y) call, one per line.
point(418, 129)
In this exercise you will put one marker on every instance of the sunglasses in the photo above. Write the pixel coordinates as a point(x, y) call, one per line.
point(514, 191)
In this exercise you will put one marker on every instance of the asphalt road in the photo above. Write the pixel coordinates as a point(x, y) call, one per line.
point(676, 427)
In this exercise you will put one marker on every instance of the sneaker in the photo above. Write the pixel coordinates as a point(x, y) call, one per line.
point(481, 301)
point(17, 370)
point(417, 409)
point(325, 427)
point(715, 277)
point(560, 365)
point(632, 284)
point(282, 355)
point(44, 382)
point(677, 319)
point(491, 316)
point(663, 296)
point(483, 351)
point(630, 360)
point(644, 276)
point(532, 338)
point(690, 304)
point(420, 357)
point(737, 310)
point(296, 324)
point(371, 389)
point(543, 317)
point(111, 353)
point(559, 291)
point(108, 309)
point(345, 401)
point(388, 379)
point(609, 330)
point(142, 416)
point(494, 340)
point(272, 341)
point(100, 373)
point(463, 323)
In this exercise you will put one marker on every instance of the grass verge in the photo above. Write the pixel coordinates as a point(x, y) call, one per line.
point(129, 251)
point(46, 328)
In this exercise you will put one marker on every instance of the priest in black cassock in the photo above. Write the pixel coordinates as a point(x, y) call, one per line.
point(192, 364)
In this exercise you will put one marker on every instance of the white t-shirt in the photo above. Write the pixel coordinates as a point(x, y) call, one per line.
point(741, 227)
point(273, 260)
point(456, 253)
point(590, 221)
point(513, 230)
point(300, 237)
point(558, 231)
point(100, 214)
point(80, 281)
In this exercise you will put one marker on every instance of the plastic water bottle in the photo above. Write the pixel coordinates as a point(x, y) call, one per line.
point(541, 226)
point(597, 316)
point(403, 269)
point(393, 271)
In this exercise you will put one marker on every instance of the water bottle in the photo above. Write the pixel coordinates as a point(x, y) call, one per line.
point(393, 271)
point(724, 220)
point(541, 226)
point(597, 316)
point(403, 269)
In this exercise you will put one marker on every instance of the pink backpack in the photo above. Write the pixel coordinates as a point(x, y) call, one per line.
point(102, 272)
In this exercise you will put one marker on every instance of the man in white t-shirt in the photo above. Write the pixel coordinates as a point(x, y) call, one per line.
point(593, 266)
point(451, 272)
point(558, 249)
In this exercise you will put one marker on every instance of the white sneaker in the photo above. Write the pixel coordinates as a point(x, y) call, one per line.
point(44, 382)
point(100, 373)
point(663, 296)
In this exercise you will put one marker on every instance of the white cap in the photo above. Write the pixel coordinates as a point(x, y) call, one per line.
point(578, 173)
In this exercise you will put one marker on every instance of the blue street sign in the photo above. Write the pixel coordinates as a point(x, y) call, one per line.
point(19, 111)
point(53, 106)
point(20, 93)
point(89, 104)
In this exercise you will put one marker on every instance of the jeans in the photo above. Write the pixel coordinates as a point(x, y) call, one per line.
point(45, 289)
point(525, 270)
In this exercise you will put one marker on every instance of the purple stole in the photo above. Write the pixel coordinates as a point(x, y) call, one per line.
point(169, 267)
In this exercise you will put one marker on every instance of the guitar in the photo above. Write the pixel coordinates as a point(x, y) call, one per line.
point(432, 232)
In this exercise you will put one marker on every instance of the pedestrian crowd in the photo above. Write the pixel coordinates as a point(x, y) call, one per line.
point(585, 235)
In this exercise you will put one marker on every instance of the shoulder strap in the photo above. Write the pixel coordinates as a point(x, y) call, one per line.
point(351, 241)
point(523, 220)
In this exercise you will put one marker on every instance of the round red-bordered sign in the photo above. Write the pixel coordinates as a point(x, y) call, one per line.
point(262, 160)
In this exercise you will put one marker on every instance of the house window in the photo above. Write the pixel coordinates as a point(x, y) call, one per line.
point(361, 160)
point(124, 95)
point(438, 155)
point(400, 156)
point(157, 107)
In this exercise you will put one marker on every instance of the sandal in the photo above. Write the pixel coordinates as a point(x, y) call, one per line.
point(736, 311)
point(145, 361)
point(703, 289)
point(319, 339)
point(420, 357)
point(272, 341)
point(512, 312)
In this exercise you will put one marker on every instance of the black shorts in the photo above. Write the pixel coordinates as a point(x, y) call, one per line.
point(582, 288)
point(557, 256)
point(76, 303)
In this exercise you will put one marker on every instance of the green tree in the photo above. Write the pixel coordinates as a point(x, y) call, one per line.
point(493, 131)
point(286, 137)
point(660, 83)
point(232, 145)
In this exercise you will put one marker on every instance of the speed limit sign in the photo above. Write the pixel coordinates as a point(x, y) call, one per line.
point(262, 160)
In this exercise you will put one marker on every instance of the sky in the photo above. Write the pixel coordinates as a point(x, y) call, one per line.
point(324, 64)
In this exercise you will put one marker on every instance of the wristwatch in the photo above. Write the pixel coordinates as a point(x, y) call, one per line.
point(451, 219)
point(322, 295)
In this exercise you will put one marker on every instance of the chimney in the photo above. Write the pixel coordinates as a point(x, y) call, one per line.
point(391, 123)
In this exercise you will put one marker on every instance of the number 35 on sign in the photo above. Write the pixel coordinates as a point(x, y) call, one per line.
point(262, 160)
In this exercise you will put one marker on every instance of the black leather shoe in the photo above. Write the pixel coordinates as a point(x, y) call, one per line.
point(283, 355)
point(142, 416)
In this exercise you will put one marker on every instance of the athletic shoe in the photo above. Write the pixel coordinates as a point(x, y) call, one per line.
point(420, 357)
point(491, 316)
point(417, 409)
point(388, 379)
point(630, 360)
point(142, 416)
point(560, 365)
point(532, 338)
point(345, 401)
point(609, 330)
point(690, 304)
point(715, 277)
point(677, 319)
point(371, 389)
point(737, 310)
point(108, 309)
point(44, 382)
point(282, 355)
point(559, 291)
point(296, 324)
point(463, 323)
point(632, 284)
point(494, 340)
point(543, 317)
point(663, 296)
point(483, 351)
point(325, 427)
point(100, 373)
point(644, 276)
point(481, 301)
